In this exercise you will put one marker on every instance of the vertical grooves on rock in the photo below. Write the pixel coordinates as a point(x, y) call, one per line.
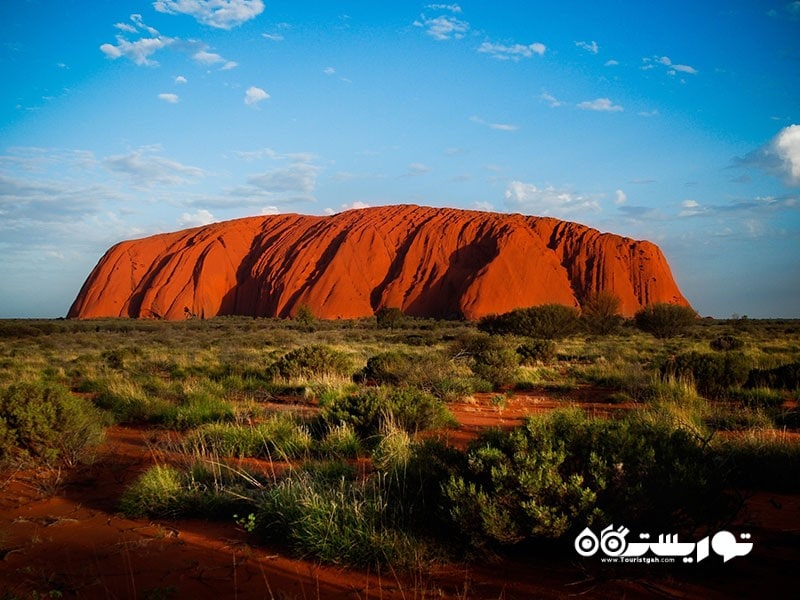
point(426, 261)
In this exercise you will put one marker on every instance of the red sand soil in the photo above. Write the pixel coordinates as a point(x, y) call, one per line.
point(63, 532)
point(428, 262)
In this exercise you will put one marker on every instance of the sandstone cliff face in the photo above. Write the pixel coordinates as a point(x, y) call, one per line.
point(426, 261)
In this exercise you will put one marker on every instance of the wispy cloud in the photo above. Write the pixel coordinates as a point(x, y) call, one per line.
point(204, 57)
point(443, 27)
point(551, 100)
point(611, 63)
point(222, 14)
point(496, 126)
point(590, 47)
point(548, 201)
point(297, 177)
point(780, 157)
point(417, 169)
point(146, 167)
point(197, 218)
point(139, 51)
point(254, 95)
point(169, 98)
point(180, 79)
point(513, 52)
point(691, 208)
point(600, 105)
point(453, 8)
point(357, 205)
point(274, 37)
point(666, 61)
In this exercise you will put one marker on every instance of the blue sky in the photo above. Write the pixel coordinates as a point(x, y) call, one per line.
point(676, 122)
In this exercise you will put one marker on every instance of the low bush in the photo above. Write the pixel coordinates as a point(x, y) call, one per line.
point(389, 318)
point(713, 374)
point(548, 321)
point(786, 377)
point(47, 423)
point(601, 313)
point(664, 320)
point(434, 373)
point(491, 358)
point(311, 362)
point(563, 471)
point(726, 343)
point(409, 408)
point(537, 351)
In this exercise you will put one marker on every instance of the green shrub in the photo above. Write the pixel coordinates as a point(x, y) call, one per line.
point(548, 321)
point(389, 318)
point(726, 343)
point(664, 320)
point(600, 313)
point(490, 357)
point(786, 377)
point(310, 362)
point(533, 351)
point(563, 471)
point(713, 374)
point(433, 373)
point(390, 368)
point(410, 408)
point(46, 422)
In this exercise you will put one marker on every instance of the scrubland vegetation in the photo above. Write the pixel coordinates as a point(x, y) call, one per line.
point(345, 421)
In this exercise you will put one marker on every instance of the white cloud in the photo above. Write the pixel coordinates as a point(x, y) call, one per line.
point(357, 205)
point(691, 208)
point(207, 58)
point(551, 100)
point(274, 37)
point(620, 197)
point(222, 14)
point(611, 63)
point(231, 64)
point(787, 147)
point(591, 47)
point(672, 68)
point(496, 126)
point(530, 199)
point(126, 27)
point(601, 105)
point(297, 177)
point(139, 51)
point(269, 210)
point(146, 167)
point(196, 219)
point(648, 113)
point(515, 52)
point(454, 8)
point(443, 27)
point(254, 95)
point(180, 79)
point(329, 71)
point(417, 169)
point(781, 156)
point(169, 98)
